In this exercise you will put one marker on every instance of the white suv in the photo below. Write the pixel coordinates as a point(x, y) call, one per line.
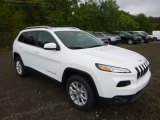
point(86, 67)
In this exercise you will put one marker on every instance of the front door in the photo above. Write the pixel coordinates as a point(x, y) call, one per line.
point(49, 61)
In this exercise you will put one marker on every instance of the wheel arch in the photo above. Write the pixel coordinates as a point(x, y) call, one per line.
point(15, 55)
point(68, 72)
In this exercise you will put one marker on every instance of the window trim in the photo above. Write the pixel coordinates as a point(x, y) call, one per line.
point(23, 38)
point(58, 46)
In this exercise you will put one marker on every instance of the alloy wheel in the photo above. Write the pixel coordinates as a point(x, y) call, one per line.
point(78, 93)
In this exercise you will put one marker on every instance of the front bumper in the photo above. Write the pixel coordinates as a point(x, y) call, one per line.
point(122, 99)
point(106, 84)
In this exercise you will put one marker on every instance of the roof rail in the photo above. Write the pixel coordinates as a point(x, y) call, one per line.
point(32, 27)
point(67, 27)
point(73, 27)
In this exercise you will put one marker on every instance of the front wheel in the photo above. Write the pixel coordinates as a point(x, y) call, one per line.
point(109, 41)
point(80, 92)
point(130, 42)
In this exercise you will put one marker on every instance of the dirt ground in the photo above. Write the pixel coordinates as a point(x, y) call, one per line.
point(37, 97)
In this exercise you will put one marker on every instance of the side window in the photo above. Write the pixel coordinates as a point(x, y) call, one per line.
point(43, 38)
point(21, 37)
point(30, 37)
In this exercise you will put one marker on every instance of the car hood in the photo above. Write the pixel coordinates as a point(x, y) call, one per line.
point(115, 55)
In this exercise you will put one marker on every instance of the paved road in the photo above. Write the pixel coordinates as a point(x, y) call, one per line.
point(36, 97)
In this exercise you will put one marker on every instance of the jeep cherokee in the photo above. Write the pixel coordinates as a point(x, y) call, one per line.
point(88, 68)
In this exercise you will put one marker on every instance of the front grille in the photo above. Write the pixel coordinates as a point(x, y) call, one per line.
point(142, 69)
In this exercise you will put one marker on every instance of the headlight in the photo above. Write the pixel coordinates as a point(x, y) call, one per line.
point(109, 68)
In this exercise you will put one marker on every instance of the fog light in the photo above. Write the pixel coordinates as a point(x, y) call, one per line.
point(124, 83)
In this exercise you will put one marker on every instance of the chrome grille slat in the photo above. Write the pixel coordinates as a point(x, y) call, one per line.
point(142, 69)
point(138, 72)
point(145, 65)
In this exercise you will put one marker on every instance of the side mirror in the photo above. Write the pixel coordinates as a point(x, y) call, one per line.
point(50, 46)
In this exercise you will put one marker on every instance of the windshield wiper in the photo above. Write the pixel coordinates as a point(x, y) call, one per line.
point(85, 47)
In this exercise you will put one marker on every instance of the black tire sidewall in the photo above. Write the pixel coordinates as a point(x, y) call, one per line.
point(91, 97)
point(109, 41)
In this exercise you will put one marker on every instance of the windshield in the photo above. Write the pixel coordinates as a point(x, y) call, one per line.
point(135, 33)
point(143, 33)
point(78, 39)
point(107, 34)
point(99, 34)
point(126, 33)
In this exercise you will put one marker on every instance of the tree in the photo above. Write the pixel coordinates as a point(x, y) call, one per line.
point(90, 15)
point(59, 12)
point(155, 22)
point(127, 23)
point(109, 14)
point(86, 16)
point(144, 23)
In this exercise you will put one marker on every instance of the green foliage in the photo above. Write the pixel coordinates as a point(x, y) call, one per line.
point(144, 23)
point(155, 23)
point(127, 23)
point(109, 15)
point(91, 15)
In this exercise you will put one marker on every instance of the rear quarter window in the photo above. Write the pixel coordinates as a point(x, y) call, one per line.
point(21, 37)
point(28, 37)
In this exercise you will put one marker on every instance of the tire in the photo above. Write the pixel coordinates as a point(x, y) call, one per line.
point(82, 99)
point(146, 41)
point(109, 41)
point(20, 68)
point(130, 42)
point(142, 41)
point(155, 39)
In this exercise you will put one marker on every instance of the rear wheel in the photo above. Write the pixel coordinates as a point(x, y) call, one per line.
point(155, 39)
point(80, 93)
point(20, 68)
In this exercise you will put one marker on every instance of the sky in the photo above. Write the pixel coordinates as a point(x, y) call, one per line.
point(148, 7)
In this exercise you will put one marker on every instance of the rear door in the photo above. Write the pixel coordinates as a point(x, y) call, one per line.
point(28, 48)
